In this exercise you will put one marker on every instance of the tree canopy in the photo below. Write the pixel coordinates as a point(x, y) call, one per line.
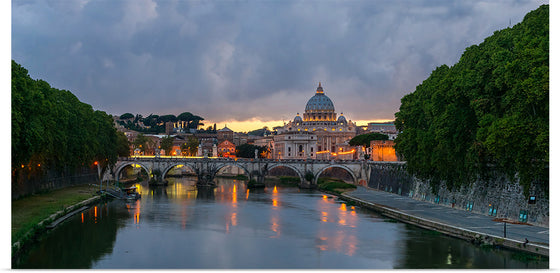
point(487, 112)
point(365, 139)
point(51, 128)
point(155, 124)
point(126, 116)
point(248, 150)
point(166, 144)
point(260, 132)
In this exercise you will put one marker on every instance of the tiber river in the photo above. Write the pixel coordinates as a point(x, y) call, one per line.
point(231, 227)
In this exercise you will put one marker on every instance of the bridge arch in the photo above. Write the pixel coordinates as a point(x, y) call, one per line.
point(289, 166)
point(123, 165)
point(235, 164)
point(173, 165)
point(354, 176)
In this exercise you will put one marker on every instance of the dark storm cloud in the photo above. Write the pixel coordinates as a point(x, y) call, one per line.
point(243, 59)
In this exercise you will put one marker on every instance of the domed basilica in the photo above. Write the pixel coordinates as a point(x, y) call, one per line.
point(319, 134)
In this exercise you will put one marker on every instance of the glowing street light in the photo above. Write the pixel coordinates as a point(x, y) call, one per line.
point(98, 174)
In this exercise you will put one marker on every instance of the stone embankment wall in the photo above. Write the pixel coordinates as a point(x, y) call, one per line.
point(498, 197)
point(24, 183)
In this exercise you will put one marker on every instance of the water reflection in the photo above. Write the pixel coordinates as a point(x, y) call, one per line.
point(78, 242)
point(337, 217)
point(205, 194)
point(231, 226)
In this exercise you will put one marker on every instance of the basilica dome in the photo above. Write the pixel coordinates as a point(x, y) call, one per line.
point(341, 120)
point(319, 102)
point(298, 119)
point(319, 109)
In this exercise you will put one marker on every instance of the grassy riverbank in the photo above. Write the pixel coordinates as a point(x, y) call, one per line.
point(334, 185)
point(27, 212)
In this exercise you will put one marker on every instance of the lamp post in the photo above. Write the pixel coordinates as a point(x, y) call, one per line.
point(99, 174)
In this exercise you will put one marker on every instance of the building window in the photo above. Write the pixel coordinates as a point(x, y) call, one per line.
point(289, 149)
point(300, 148)
point(311, 149)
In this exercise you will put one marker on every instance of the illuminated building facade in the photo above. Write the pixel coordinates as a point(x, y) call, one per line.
point(318, 134)
point(383, 150)
point(226, 149)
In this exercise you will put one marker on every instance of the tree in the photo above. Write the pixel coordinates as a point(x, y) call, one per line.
point(365, 139)
point(123, 145)
point(53, 130)
point(184, 149)
point(167, 118)
point(126, 116)
point(192, 145)
point(260, 132)
point(167, 144)
point(488, 113)
point(141, 142)
point(195, 122)
point(248, 151)
point(151, 120)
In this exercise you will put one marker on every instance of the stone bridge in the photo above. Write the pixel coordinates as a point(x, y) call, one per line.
point(207, 168)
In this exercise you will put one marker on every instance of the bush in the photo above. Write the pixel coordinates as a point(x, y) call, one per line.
point(241, 177)
point(328, 179)
point(289, 179)
point(335, 186)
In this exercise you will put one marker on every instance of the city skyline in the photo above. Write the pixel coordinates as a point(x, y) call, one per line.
point(248, 64)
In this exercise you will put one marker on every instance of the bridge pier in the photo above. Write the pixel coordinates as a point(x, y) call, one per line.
point(304, 184)
point(205, 180)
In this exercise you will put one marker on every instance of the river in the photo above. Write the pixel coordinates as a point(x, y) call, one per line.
point(231, 227)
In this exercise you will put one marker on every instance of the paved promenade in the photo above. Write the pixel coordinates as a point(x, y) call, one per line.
point(453, 217)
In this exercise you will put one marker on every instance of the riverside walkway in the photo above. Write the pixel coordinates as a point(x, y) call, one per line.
point(455, 222)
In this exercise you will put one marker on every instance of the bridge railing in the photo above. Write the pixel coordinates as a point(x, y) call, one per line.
point(264, 160)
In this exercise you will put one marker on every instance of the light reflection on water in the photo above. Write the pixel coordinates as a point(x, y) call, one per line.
point(232, 226)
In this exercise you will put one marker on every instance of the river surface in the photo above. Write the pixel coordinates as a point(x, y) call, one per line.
point(231, 227)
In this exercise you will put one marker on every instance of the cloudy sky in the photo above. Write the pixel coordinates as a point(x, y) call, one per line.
point(248, 63)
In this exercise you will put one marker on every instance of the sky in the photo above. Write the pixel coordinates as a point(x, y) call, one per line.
point(248, 64)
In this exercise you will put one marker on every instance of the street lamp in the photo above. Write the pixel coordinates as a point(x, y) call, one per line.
point(98, 174)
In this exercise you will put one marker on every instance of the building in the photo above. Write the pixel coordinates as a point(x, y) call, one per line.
point(318, 134)
point(295, 145)
point(387, 128)
point(169, 128)
point(226, 149)
point(225, 134)
point(383, 150)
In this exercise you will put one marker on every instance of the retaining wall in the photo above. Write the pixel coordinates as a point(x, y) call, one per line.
point(25, 183)
point(498, 197)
